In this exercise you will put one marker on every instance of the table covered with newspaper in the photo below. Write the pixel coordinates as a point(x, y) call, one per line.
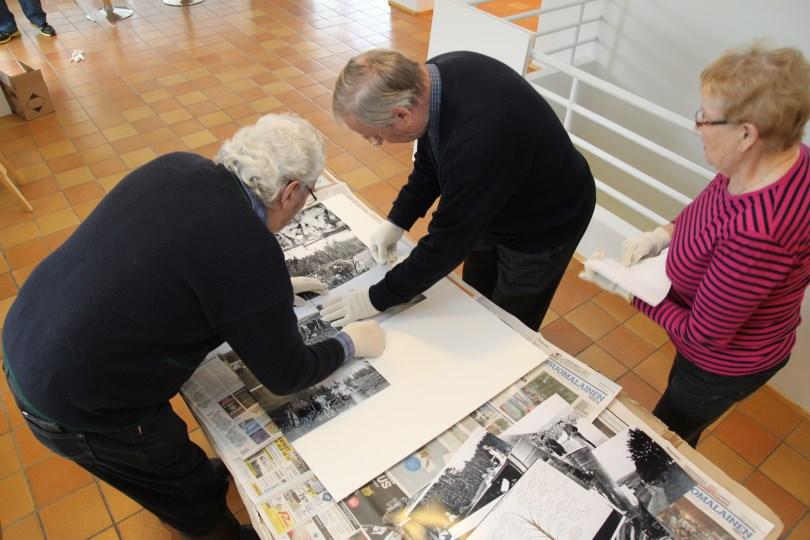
point(554, 455)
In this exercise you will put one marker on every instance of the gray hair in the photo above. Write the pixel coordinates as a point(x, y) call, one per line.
point(373, 83)
point(276, 150)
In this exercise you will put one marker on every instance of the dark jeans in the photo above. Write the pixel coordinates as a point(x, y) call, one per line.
point(31, 8)
point(522, 283)
point(156, 465)
point(695, 397)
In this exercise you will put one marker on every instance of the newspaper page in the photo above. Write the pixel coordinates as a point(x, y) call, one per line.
point(307, 512)
point(707, 509)
point(229, 410)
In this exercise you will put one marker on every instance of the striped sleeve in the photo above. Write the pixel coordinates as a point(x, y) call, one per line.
point(743, 272)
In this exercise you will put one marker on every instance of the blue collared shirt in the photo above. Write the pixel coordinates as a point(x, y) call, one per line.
point(255, 202)
point(435, 106)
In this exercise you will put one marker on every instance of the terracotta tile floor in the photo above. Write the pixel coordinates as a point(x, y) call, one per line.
point(185, 79)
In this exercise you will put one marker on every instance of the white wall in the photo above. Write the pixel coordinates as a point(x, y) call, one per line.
point(657, 48)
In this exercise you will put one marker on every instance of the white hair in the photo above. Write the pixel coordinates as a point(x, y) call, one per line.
point(276, 150)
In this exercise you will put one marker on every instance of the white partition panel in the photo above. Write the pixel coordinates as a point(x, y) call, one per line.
point(459, 27)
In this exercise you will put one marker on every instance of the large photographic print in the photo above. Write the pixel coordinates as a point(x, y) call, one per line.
point(311, 224)
point(303, 411)
point(461, 487)
point(318, 244)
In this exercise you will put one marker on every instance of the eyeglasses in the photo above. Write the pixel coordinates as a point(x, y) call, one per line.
point(377, 139)
point(310, 192)
point(699, 122)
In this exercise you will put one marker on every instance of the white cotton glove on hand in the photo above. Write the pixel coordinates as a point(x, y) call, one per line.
point(384, 242)
point(603, 282)
point(348, 308)
point(306, 284)
point(647, 244)
point(368, 338)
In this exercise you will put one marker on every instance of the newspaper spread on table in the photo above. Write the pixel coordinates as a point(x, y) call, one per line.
point(553, 424)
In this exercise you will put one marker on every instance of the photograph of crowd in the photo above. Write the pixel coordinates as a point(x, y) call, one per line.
point(465, 484)
point(334, 260)
point(300, 413)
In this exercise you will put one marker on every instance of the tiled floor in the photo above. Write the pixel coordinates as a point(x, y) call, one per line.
point(185, 79)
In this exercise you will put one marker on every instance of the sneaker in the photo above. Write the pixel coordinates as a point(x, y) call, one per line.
point(47, 30)
point(5, 37)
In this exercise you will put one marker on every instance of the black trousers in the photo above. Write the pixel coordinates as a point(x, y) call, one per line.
point(695, 398)
point(522, 283)
point(155, 464)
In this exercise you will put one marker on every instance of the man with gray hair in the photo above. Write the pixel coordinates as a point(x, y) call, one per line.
point(179, 257)
point(515, 196)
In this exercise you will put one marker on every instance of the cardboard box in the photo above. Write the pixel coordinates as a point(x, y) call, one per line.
point(26, 92)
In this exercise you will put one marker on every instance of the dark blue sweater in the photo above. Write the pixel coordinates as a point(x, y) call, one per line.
point(506, 170)
point(172, 262)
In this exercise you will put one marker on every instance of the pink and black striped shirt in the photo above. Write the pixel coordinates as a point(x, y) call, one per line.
point(739, 266)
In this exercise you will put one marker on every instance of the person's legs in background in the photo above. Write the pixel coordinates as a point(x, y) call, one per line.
point(8, 27)
point(33, 12)
point(694, 397)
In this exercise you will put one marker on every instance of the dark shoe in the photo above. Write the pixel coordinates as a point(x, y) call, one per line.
point(5, 37)
point(246, 532)
point(47, 30)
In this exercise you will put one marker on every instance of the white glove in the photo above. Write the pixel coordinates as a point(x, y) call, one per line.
point(348, 308)
point(368, 338)
point(647, 244)
point(306, 284)
point(603, 282)
point(384, 242)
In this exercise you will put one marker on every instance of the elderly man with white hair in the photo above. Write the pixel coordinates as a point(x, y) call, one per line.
point(178, 258)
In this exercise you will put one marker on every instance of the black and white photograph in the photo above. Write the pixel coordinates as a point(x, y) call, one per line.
point(334, 260)
point(352, 384)
point(644, 481)
point(460, 488)
point(311, 224)
point(314, 329)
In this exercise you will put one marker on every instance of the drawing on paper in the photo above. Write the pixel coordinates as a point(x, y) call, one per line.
point(347, 387)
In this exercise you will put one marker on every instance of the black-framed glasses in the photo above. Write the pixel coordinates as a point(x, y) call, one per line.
point(700, 122)
point(311, 192)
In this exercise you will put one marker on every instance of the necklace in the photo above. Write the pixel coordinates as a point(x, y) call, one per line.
point(750, 187)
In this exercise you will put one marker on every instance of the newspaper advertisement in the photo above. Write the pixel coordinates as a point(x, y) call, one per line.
point(229, 410)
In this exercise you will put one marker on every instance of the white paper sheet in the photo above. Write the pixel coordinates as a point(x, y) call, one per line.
point(444, 357)
point(545, 504)
point(646, 279)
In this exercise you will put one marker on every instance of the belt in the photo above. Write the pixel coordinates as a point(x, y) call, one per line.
point(44, 425)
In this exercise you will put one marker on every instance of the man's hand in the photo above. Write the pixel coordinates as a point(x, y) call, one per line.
point(647, 244)
point(384, 242)
point(368, 338)
point(351, 307)
point(602, 281)
point(306, 284)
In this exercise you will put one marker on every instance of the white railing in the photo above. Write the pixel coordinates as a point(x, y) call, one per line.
point(546, 62)
point(573, 107)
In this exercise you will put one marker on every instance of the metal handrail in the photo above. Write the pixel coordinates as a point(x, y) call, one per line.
point(572, 107)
